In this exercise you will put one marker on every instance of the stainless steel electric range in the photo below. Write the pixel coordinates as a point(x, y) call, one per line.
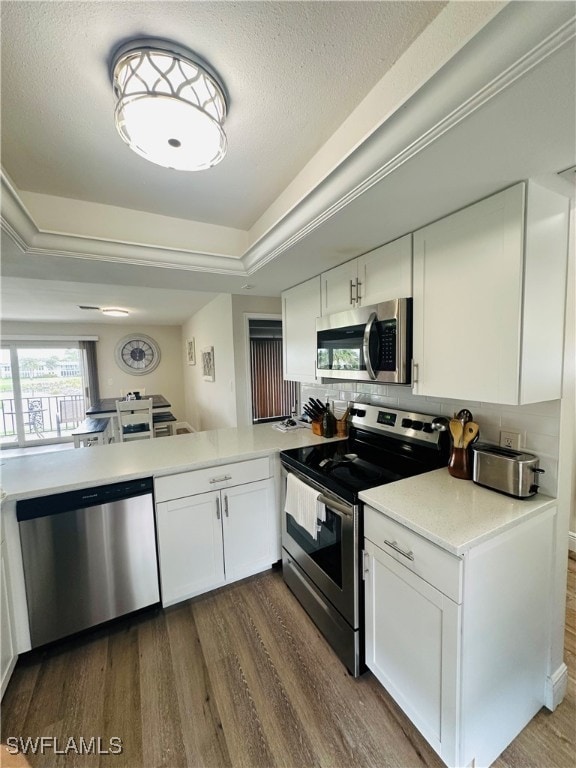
point(324, 572)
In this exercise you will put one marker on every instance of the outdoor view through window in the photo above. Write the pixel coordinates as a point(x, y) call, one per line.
point(42, 393)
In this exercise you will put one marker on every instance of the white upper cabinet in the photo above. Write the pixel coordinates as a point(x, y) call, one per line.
point(386, 272)
point(339, 286)
point(489, 295)
point(379, 275)
point(300, 308)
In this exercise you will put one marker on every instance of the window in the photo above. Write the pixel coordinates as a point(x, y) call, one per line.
point(272, 397)
point(44, 391)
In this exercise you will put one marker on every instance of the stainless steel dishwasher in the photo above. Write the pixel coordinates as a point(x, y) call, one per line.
point(89, 556)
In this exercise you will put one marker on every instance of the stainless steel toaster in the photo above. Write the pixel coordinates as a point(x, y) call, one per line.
point(501, 469)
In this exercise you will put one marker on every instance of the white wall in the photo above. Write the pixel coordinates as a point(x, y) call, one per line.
point(222, 324)
point(241, 307)
point(166, 380)
point(211, 404)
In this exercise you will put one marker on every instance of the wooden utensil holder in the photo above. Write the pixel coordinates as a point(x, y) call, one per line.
point(317, 428)
point(341, 427)
point(459, 464)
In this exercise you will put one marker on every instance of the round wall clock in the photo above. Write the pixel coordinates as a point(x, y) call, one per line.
point(137, 354)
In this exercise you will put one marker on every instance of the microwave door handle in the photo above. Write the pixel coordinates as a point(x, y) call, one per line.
point(366, 345)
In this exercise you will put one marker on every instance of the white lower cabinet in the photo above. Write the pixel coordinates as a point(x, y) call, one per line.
point(8, 653)
point(460, 643)
point(412, 643)
point(212, 538)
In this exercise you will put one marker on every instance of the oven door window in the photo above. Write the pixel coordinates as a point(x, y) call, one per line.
point(326, 549)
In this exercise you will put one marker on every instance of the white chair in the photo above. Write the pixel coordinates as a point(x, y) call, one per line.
point(135, 419)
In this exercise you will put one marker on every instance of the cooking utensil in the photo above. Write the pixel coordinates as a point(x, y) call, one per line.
point(470, 432)
point(456, 430)
point(464, 416)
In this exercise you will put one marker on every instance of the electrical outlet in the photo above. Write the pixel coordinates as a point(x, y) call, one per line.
point(510, 440)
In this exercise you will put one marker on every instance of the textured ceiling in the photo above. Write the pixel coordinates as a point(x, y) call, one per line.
point(294, 71)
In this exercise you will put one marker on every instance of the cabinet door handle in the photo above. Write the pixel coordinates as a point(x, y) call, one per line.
point(221, 479)
point(365, 568)
point(358, 296)
point(415, 372)
point(351, 289)
point(218, 508)
point(396, 548)
point(226, 506)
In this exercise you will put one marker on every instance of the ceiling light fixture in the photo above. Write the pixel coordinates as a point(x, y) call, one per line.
point(170, 105)
point(114, 312)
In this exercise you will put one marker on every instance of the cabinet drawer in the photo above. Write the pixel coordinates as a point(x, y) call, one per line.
point(211, 479)
point(422, 557)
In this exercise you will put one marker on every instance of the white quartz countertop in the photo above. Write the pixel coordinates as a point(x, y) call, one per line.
point(58, 471)
point(455, 514)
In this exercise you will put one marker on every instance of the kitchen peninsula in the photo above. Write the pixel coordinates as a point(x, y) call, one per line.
point(56, 472)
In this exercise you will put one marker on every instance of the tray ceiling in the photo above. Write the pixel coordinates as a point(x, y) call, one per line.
point(350, 124)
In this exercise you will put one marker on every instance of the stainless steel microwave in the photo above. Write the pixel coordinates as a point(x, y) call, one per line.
point(366, 344)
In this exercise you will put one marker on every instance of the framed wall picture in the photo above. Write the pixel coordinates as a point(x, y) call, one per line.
point(191, 352)
point(208, 364)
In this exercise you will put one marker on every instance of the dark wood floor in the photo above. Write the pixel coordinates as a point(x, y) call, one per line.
point(240, 678)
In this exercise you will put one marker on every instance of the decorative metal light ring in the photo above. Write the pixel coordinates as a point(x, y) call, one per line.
point(165, 75)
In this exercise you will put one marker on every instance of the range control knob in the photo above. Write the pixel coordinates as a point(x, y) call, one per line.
point(360, 412)
point(406, 423)
point(427, 427)
point(417, 425)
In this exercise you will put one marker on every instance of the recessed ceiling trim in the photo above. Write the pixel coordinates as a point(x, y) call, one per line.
point(428, 116)
point(258, 256)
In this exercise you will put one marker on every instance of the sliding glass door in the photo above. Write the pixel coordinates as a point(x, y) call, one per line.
point(44, 393)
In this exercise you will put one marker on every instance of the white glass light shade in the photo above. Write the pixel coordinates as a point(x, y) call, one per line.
point(169, 109)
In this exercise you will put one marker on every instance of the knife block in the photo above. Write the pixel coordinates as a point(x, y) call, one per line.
point(317, 428)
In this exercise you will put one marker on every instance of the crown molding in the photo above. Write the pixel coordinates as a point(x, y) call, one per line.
point(18, 223)
point(325, 201)
point(461, 88)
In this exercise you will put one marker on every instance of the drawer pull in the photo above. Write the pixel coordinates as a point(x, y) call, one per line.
point(221, 479)
point(396, 548)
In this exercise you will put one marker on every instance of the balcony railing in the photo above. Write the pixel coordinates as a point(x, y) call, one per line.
point(45, 417)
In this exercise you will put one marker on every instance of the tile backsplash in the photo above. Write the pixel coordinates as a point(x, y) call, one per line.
point(538, 424)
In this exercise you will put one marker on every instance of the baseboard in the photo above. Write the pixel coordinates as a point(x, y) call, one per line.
point(572, 544)
point(556, 687)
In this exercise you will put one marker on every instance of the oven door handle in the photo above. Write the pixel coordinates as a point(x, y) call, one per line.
point(366, 346)
point(336, 505)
